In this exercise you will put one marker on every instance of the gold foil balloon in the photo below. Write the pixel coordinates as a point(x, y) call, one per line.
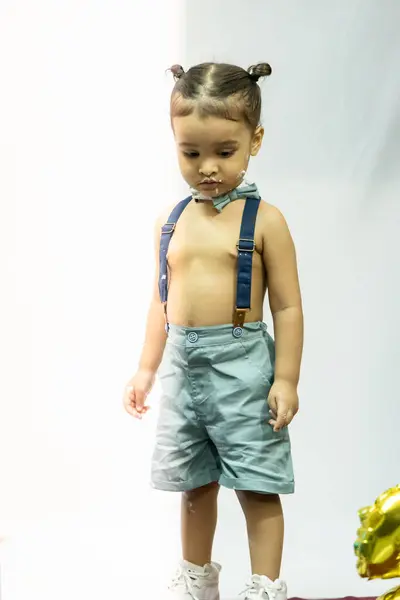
point(378, 543)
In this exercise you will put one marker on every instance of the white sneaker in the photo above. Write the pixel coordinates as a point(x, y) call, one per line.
point(195, 583)
point(262, 588)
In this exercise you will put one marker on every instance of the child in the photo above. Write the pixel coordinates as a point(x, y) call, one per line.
point(228, 395)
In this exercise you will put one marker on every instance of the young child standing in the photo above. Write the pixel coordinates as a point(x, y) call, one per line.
point(229, 391)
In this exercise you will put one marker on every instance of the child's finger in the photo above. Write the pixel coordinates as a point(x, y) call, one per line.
point(140, 411)
point(272, 403)
point(140, 399)
point(280, 421)
point(280, 424)
point(131, 410)
point(273, 417)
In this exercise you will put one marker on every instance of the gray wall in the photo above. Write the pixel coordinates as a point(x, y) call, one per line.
point(331, 162)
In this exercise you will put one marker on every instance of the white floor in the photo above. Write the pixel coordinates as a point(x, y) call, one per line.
point(50, 561)
point(127, 547)
point(82, 561)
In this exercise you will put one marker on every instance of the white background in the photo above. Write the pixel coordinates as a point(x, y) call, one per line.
point(86, 162)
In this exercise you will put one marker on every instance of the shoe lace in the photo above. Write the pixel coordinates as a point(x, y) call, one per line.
point(186, 579)
point(257, 590)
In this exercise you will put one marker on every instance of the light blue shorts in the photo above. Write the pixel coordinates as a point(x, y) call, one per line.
point(213, 422)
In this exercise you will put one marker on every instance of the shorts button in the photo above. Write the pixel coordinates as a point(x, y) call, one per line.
point(237, 332)
point(193, 337)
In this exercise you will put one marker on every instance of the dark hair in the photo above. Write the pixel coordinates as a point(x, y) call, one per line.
point(220, 90)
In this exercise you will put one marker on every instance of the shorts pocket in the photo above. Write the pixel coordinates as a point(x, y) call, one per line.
point(259, 353)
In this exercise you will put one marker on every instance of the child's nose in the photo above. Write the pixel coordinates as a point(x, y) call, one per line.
point(208, 169)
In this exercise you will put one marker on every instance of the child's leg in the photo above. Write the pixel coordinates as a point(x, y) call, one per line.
point(264, 518)
point(199, 521)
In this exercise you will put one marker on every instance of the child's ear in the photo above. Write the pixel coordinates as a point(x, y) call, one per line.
point(257, 140)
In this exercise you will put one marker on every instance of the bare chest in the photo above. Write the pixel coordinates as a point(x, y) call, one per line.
point(203, 235)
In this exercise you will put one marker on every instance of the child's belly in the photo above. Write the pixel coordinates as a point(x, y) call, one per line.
point(202, 298)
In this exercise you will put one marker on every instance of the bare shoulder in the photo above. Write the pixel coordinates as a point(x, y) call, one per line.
point(270, 215)
point(273, 223)
point(162, 217)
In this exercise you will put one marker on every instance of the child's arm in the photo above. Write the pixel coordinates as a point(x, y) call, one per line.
point(286, 307)
point(140, 385)
point(156, 337)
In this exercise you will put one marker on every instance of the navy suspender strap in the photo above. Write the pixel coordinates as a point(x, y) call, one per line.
point(246, 247)
point(167, 231)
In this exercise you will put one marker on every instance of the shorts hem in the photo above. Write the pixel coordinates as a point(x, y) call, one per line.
point(186, 486)
point(257, 485)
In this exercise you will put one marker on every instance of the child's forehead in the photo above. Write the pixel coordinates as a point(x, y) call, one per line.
point(207, 130)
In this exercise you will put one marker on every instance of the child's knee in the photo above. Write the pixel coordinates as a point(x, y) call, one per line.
point(206, 493)
point(209, 490)
point(250, 499)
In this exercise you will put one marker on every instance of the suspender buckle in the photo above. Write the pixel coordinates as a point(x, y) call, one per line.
point(246, 245)
point(239, 316)
point(168, 228)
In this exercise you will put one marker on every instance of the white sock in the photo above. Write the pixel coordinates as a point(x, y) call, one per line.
point(193, 567)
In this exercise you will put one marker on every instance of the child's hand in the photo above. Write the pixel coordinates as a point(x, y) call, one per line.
point(284, 404)
point(136, 393)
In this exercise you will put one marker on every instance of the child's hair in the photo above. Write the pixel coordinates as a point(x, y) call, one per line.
point(219, 90)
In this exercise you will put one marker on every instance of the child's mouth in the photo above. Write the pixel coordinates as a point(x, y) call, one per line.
point(209, 185)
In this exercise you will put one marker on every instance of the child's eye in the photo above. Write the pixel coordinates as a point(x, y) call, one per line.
point(226, 153)
point(191, 154)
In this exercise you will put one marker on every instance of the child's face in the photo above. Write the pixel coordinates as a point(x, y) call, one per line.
point(214, 149)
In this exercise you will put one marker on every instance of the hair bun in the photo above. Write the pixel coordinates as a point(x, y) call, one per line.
point(260, 70)
point(177, 71)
